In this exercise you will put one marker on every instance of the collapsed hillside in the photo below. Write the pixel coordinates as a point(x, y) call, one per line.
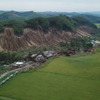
point(43, 31)
point(10, 42)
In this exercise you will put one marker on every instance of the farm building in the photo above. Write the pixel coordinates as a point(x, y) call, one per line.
point(18, 64)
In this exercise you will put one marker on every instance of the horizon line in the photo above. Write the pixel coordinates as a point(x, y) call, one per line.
point(50, 11)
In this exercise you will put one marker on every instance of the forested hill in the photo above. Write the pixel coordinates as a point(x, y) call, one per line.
point(42, 31)
point(59, 23)
point(21, 16)
point(92, 18)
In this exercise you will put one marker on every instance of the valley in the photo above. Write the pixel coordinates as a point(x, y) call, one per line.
point(49, 55)
point(59, 78)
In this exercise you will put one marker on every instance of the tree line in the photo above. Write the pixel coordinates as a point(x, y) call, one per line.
point(61, 22)
point(78, 43)
point(9, 57)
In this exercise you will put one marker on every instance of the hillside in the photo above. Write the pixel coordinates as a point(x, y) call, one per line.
point(95, 13)
point(10, 42)
point(20, 16)
point(63, 78)
point(43, 31)
point(25, 15)
point(92, 18)
point(14, 15)
point(60, 23)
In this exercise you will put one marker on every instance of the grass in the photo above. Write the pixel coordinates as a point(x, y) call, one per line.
point(97, 24)
point(5, 98)
point(2, 71)
point(63, 78)
point(6, 76)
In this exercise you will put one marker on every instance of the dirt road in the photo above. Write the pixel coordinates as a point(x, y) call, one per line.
point(18, 69)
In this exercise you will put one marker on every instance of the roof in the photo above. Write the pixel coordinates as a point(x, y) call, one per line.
point(33, 55)
point(97, 42)
point(19, 63)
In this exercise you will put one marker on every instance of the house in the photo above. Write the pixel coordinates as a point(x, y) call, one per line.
point(68, 52)
point(97, 42)
point(40, 58)
point(48, 54)
point(90, 50)
point(18, 64)
point(33, 55)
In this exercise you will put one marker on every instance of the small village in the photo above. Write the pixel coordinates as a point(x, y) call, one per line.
point(34, 61)
point(50, 50)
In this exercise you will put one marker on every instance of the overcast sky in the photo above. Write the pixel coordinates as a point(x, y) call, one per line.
point(51, 5)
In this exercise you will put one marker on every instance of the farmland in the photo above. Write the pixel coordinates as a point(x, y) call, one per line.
point(62, 78)
point(98, 25)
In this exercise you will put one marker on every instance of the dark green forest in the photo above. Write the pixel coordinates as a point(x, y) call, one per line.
point(9, 57)
point(61, 22)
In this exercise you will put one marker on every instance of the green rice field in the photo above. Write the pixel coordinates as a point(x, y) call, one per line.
point(98, 25)
point(62, 78)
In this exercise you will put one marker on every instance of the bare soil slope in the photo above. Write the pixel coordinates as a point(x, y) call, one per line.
point(10, 42)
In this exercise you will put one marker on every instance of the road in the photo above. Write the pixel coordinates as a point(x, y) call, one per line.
point(18, 69)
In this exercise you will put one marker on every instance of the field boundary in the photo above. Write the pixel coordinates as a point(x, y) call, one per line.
point(75, 76)
point(6, 98)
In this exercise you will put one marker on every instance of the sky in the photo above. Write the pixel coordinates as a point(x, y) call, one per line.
point(51, 5)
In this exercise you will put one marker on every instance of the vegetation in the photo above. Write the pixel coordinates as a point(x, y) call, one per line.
point(97, 24)
point(18, 16)
point(16, 25)
point(6, 76)
point(21, 16)
point(1, 71)
point(59, 23)
point(96, 33)
point(5, 98)
point(77, 43)
point(61, 78)
point(33, 50)
point(83, 21)
point(9, 57)
point(91, 18)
